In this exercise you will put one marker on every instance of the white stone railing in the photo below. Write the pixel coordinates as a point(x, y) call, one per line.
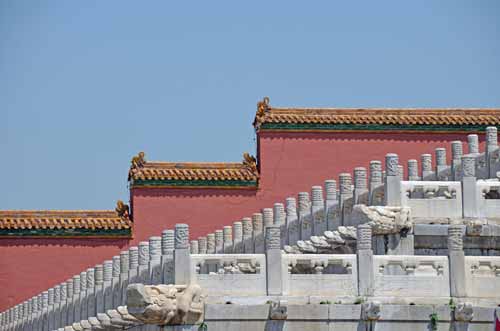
point(230, 274)
point(432, 199)
point(488, 198)
point(320, 275)
point(102, 287)
point(482, 276)
point(411, 276)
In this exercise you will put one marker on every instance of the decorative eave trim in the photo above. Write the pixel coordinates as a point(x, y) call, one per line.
point(195, 184)
point(318, 127)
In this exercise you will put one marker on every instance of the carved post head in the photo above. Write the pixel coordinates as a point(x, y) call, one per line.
point(375, 172)
point(304, 203)
point(40, 301)
point(133, 257)
point(237, 231)
point(412, 169)
point(391, 164)
point(257, 220)
point(167, 242)
point(124, 262)
point(364, 237)
point(455, 242)
point(291, 207)
point(456, 150)
point(108, 270)
point(317, 196)
point(154, 248)
point(464, 312)
point(211, 243)
point(345, 185)
point(273, 237)
point(491, 139)
point(468, 165)
point(69, 288)
point(181, 236)
point(99, 274)
point(76, 284)
point(331, 189)
point(194, 248)
point(51, 296)
point(116, 265)
point(228, 234)
point(267, 216)
point(143, 253)
point(83, 281)
point(57, 293)
point(440, 156)
point(247, 227)
point(63, 294)
point(360, 178)
point(473, 141)
point(279, 213)
point(90, 278)
point(202, 245)
point(219, 240)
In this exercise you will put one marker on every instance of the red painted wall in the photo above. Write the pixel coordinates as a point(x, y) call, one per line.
point(289, 163)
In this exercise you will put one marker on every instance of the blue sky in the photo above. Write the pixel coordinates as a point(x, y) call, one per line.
point(85, 85)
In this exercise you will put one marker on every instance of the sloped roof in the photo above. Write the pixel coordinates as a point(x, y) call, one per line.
point(268, 117)
point(144, 172)
point(57, 223)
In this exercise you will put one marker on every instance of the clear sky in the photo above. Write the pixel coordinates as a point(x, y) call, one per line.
point(85, 85)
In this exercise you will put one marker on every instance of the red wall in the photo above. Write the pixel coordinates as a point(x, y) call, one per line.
point(289, 163)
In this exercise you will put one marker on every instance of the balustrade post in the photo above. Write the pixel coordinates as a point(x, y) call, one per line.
point(258, 234)
point(317, 211)
point(182, 258)
point(375, 181)
point(228, 239)
point(292, 221)
point(491, 147)
point(456, 259)
point(426, 162)
point(331, 205)
point(167, 256)
point(237, 237)
point(90, 292)
point(456, 159)
point(304, 214)
point(392, 187)
point(364, 255)
point(273, 260)
point(155, 265)
point(248, 246)
point(442, 169)
point(345, 197)
point(469, 190)
point(413, 170)
point(107, 293)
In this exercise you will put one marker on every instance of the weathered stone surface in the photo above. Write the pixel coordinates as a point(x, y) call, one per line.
point(165, 304)
point(342, 240)
point(384, 219)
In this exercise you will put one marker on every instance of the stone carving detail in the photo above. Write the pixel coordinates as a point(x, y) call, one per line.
point(107, 270)
point(441, 156)
point(247, 227)
point(456, 150)
point(273, 240)
point(412, 169)
point(167, 242)
point(278, 310)
point(143, 253)
point(371, 311)
point(211, 243)
point(166, 304)
point(345, 184)
point(426, 160)
point(331, 189)
point(133, 254)
point(181, 236)
point(391, 165)
point(267, 216)
point(304, 202)
point(364, 237)
point(464, 312)
point(116, 266)
point(469, 166)
point(455, 241)
point(491, 136)
point(473, 141)
point(384, 219)
point(124, 261)
point(342, 240)
point(375, 172)
point(360, 178)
